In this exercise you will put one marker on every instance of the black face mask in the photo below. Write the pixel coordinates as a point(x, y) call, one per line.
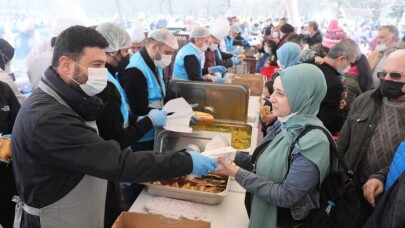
point(391, 89)
point(123, 63)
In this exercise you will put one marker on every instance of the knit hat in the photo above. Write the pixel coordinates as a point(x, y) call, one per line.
point(287, 28)
point(6, 53)
point(333, 34)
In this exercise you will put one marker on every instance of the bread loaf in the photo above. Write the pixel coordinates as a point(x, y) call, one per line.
point(5, 149)
point(203, 118)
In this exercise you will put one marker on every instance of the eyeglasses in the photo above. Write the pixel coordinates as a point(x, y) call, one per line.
point(393, 75)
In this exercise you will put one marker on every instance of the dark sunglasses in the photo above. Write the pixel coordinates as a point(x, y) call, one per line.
point(393, 75)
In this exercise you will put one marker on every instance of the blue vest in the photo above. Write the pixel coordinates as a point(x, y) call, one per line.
point(229, 43)
point(179, 71)
point(397, 166)
point(154, 92)
point(124, 104)
point(218, 54)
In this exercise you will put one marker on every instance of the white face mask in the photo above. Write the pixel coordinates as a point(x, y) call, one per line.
point(213, 47)
point(164, 61)
point(96, 81)
point(204, 47)
point(345, 70)
point(381, 47)
point(267, 50)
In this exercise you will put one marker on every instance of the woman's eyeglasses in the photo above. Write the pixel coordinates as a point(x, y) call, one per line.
point(393, 75)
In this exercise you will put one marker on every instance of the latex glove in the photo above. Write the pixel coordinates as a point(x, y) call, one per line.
point(218, 80)
point(218, 69)
point(158, 117)
point(235, 61)
point(371, 189)
point(236, 52)
point(245, 42)
point(193, 119)
point(195, 105)
point(202, 164)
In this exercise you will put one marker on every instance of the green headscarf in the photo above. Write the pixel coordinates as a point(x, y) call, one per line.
point(305, 88)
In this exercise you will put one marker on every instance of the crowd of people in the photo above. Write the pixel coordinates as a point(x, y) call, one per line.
point(98, 94)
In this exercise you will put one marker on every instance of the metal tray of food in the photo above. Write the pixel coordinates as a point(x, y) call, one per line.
point(240, 139)
point(219, 97)
point(179, 192)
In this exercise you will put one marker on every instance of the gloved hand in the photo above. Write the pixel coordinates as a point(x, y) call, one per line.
point(245, 42)
point(193, 119)
point(202, 164)
point(218, 80)
point(195, 105)
point(235, 61)
point(158, 117)
point(236, 52)
point(218, 69)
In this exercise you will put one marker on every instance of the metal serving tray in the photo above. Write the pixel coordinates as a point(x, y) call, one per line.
point(186, 194)
point(168, 141)
point(230, 102)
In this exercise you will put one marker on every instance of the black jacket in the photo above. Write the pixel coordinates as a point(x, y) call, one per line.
point(110, 121)
point(53, 148)
point(316, 38)
point(329, 111)
point(9, 107)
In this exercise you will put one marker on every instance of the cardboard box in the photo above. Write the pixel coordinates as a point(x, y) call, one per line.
point(255, 82)
point(140, 220)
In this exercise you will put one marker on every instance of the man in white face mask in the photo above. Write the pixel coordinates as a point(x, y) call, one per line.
point(336, 63)
point(387, 38)
point(143, 81)
point(190, 59)
point(61, 164)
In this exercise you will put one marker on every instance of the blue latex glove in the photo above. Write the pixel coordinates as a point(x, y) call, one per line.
point(202, 164)
point(158, 117)
point(236, 52)
point(218, 69)
point(193, 119)
point(218, 80)
point(195, 105)
point(244, 42)
point(235, 61)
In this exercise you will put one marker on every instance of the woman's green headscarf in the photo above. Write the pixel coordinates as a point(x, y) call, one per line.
point(305, 88)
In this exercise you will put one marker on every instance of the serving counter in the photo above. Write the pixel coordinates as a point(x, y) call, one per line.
point(231, 212)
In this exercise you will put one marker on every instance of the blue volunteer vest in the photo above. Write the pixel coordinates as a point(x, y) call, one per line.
point(124, 104)
point(229, 43)
point(154, 92)
point(179, 71)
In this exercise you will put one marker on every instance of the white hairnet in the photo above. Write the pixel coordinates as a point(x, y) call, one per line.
point(220, 28)
point(137, 32)
point(164, 36)
point(235, 28)
point(63, 23)
point(199, 32)
point(116, 36)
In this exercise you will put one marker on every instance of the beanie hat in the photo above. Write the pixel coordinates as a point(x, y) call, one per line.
point(333, 34)
point(6, 53)
point(287, 28)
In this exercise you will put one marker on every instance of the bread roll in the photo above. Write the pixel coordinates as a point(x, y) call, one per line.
point(203, 118)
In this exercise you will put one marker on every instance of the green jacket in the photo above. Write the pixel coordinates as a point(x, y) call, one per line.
point(356, 133)
point(353, 89)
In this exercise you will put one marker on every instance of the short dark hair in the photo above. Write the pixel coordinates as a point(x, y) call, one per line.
point(314, 25)
point(297, 38)
point(273, 45)
point(72, 42)
point(287, 28)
